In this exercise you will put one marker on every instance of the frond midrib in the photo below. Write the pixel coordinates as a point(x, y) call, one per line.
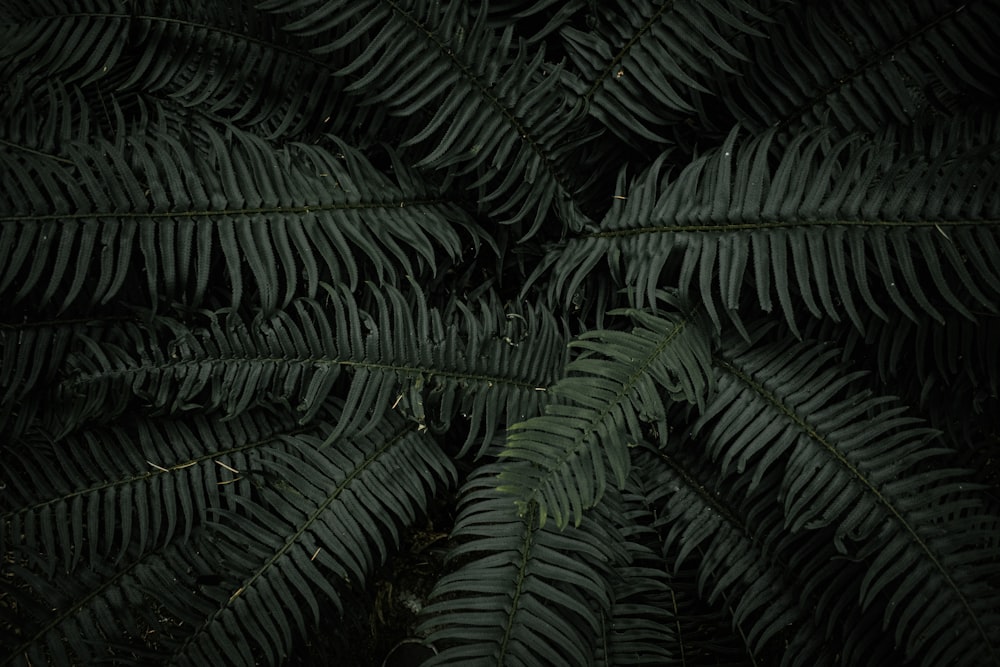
point(34, 151)
point(784, 224)
point(529, 531)
point(894, 513)
point(84, 378)
point(250, 212)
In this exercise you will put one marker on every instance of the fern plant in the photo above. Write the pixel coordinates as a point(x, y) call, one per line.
point(687, 311)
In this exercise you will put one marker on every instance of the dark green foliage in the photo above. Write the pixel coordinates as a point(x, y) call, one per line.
point(686, 312)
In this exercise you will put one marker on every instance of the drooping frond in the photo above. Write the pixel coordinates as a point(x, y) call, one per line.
point(609, 400)
point(640, 62)
point(157, 211)
point(524, 594)
point(322, 518)
point(837, 229)
point(855, 466)
point(868, 65)
point(495, 110)
point(433, 367)
point(319, 518)
point(777, 588)
point(93, 497)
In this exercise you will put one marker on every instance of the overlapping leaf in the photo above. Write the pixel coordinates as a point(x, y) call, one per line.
point(854, 464)
point(527, 594)
point(611, 398)
point(495, 110)
point(434, 367)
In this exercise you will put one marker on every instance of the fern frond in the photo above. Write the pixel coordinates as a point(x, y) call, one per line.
point(270, 214)
point(640, 62)
point(496, 111)
point(856, 465)
point(610, 399)
point(526, 594)
point(842, 229)
point(457, 365)
point(98, 614)
point(322, 519)
point(95, 496)
point(227, 59)
point(869, 66)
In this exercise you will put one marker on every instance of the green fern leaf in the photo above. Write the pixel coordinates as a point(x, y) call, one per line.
point(856, 465)
point(468, 368)
point(528, 593)
point(270, 213)
point(319, 522)
point(832, 227)
point(609, 398)
point(502, 120)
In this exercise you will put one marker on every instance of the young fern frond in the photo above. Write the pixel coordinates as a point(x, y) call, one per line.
point(527, 594)
point(610, 398)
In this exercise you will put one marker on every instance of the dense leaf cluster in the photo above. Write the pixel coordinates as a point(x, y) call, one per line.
point(690, 308)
